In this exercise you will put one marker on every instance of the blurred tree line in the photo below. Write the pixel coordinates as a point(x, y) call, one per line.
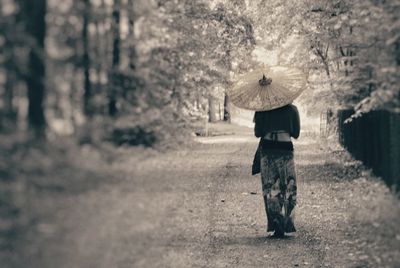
point(122, 68)
point(349, 49)
point(358, 43)
point(126, 69)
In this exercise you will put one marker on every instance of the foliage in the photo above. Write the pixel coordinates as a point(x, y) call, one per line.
point(362, 64)
point(350, 49)
point(176, 56)
point(190, 51)
point(128, 56)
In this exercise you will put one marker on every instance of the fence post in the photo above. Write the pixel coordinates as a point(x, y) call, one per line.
point(375, 140)
point(385, 130)
point(395, 149)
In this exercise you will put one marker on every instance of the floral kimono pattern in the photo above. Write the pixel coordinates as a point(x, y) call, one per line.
point(279, 189)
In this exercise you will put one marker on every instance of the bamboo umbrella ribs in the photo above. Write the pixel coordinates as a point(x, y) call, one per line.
point(268, 88)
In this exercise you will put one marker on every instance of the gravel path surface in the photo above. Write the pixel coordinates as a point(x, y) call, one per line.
point(200, 207)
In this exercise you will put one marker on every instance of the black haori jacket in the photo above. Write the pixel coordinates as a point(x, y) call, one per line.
point(285, 118)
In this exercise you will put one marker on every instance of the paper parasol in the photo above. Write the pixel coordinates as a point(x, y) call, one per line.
point(268, 88)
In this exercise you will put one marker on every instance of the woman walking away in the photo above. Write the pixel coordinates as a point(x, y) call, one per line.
point(275, 128)
point(276, 122)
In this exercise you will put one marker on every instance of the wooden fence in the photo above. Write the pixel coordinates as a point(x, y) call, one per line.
point(374, 139)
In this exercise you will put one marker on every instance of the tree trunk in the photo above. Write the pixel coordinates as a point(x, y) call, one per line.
point(112, 101)
point(211, 110)
point(86, 61)
point(35, 13)
point(131, 33)
point(98, 64)
point(8, 115)
point(116, 31)
point(9, 111)
point(227, 112)
point(74, 85)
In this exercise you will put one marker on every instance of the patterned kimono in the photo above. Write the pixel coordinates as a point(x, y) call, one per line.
point(275, 159)
point(279, 189)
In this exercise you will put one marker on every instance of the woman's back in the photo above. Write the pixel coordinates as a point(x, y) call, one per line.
point(282, 119)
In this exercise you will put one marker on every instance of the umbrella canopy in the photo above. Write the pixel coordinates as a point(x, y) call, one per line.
point(268, 88)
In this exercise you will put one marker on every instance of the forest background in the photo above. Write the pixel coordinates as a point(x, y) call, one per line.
point(78, 77)
point(102, 69)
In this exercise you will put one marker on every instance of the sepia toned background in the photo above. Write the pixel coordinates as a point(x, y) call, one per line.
point(119, 146)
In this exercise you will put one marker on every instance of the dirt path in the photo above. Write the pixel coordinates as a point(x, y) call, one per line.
point(201, 208)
